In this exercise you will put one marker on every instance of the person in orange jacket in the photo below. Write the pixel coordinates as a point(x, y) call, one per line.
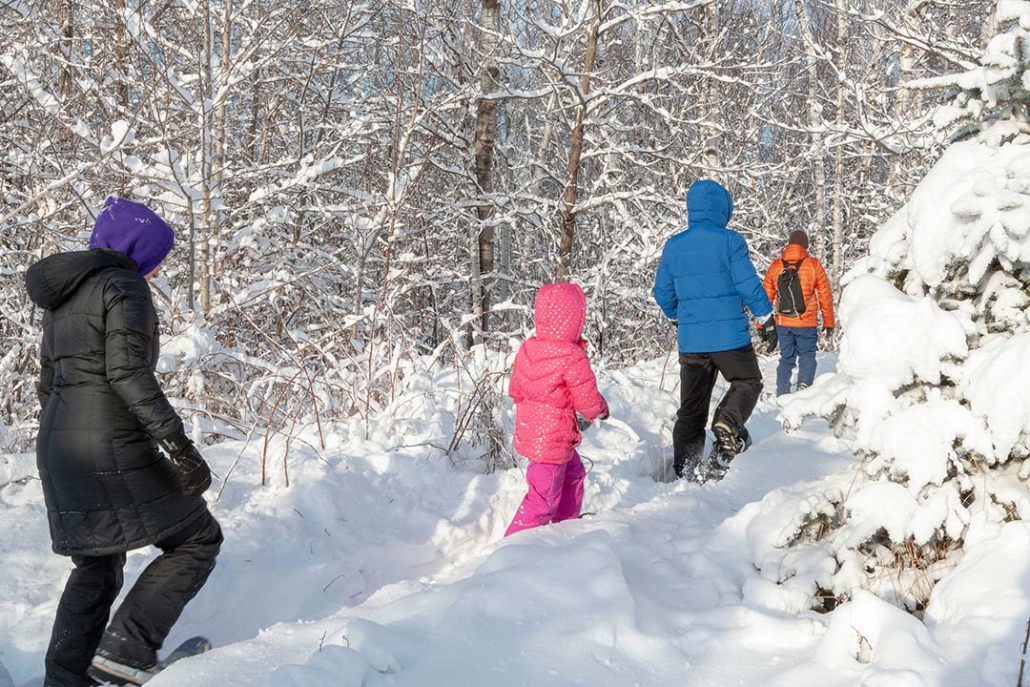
point(799, 289)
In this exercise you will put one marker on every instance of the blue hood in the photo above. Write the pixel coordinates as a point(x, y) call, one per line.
point(709, 202)
point(706, 279)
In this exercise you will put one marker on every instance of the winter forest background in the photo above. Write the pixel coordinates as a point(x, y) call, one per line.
point(367, 195)
point(355, 184)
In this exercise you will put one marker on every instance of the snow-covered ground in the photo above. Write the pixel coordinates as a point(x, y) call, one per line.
point(383, 564)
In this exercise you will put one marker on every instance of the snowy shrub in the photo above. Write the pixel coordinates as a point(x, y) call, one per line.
point(297, 392)
point(997, 89)
point(934, 374)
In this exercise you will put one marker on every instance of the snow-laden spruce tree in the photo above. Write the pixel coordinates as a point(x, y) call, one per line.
point(933, 382)
point(997, 90)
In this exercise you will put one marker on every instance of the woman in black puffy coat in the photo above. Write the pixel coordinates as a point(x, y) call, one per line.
point(108, 489)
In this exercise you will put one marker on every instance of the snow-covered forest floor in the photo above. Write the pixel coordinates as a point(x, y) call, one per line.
point(382, 564)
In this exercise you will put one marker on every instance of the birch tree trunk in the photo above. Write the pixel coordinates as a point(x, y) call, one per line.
point(253, 140)
point(526, 245)
point(907, 60)
point(64, 80)
point(121, 55)
point(989, 23)
point(838, 171)
point(220, 93)
point(207, 167)
point(712, 148)
point(214, 134)
point(908, 100)
point(817, 230)
point(486, 134)
point(568, 214)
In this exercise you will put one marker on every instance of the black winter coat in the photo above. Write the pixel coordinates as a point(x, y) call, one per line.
point(107, 487)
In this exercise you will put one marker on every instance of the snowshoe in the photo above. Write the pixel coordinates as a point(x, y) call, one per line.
point(107, 671)
point(110, 672)
point(194, 646)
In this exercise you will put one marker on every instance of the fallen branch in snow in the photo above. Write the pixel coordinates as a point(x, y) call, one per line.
point(326, 588)
point(21, 480)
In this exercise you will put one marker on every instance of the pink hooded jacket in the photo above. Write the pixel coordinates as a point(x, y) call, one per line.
point(552, 380)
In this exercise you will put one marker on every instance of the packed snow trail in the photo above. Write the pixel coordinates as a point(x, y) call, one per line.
point(384, 565)
point(645, 591)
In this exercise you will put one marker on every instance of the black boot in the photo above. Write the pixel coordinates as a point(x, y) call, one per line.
point(728, 444)
point(688, 462)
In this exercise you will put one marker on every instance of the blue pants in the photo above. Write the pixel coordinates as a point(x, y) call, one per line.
point(796, 343)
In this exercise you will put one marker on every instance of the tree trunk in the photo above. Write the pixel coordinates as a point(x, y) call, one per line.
point(486, 134)
point(712, 147)
point(838, 172)
point(207, 132)
point(191, 290)
point(990, 23)
point(121, 56)
point(219, 126)
point(909, 101)
point(255, 111)
point(568, 215)
point(64, 79)
point(817, 230)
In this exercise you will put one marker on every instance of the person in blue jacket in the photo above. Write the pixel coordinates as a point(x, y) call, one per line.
point(704, 281)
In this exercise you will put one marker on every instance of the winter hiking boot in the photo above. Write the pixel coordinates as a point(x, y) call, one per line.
point(121, 660)
point(727, 445)
point(690, 470)
point(687, 465)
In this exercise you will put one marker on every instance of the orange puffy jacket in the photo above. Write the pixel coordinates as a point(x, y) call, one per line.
point(815, 286)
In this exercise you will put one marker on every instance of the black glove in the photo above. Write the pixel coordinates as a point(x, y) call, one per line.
point(194, 474)
point(828, 331)
point(768, 334)
point(582, 422)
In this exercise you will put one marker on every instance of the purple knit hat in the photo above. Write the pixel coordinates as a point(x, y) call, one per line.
point(135, 230)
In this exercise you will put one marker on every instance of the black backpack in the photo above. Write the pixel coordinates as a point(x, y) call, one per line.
point(790, 301)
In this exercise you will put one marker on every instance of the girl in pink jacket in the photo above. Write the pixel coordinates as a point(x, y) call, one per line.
point(551, 382)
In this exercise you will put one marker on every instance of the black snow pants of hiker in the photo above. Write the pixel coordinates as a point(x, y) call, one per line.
point(698, 372)
point(147, 614)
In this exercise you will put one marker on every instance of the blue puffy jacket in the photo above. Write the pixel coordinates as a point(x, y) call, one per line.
point(706, 277)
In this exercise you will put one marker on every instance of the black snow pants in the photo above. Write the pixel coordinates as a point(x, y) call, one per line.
point(145, 617)
point(698, 372)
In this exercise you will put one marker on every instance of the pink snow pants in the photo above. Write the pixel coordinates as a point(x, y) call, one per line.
point(555, 494)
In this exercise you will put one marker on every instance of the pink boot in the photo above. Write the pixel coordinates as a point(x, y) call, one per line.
point(555, 494)
point(571, 503)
